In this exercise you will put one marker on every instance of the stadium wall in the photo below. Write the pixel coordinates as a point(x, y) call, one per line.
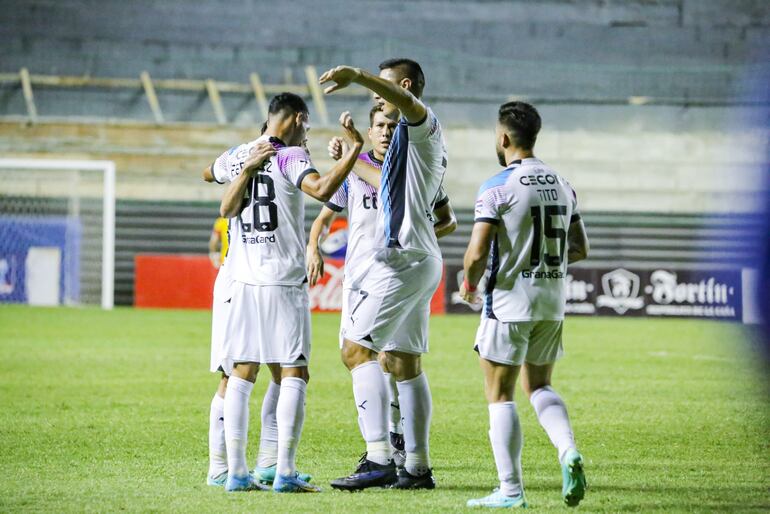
point(683, 165)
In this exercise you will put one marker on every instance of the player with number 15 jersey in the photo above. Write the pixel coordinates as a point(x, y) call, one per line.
point(533, 207)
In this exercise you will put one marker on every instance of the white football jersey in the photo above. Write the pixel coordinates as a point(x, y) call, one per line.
point(533, 207)
point(361, 201)
point(412, 173)
point(267, 238)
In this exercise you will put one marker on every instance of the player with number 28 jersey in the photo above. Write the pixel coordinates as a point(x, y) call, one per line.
point(263, 250)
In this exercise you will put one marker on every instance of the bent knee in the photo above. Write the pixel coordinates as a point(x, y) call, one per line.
point(404, 366)
point(353, 354)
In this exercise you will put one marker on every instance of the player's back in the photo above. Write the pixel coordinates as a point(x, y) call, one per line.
point(533, 207)
point(413, 171)
point(267, 238)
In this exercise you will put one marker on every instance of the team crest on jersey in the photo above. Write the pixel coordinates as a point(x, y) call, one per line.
point(621, 291)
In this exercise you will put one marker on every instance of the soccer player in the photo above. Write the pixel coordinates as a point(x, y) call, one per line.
point(389, 300)
point(527, 214)
point(360, 199)
point(267, 457)
point(269, 318)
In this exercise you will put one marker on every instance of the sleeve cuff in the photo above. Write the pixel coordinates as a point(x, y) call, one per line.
point(303, 175)
point(419, 122)
point(491, 221)
point(441, 203)
point(213, 173)
point(575, 218)
point(333, 206)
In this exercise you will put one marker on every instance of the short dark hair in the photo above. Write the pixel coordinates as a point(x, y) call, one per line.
point(377, 108)
point(410, 69)
point(522, 121)
point(287, 101)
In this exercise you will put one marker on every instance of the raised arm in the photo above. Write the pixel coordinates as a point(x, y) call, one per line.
point(410, 106)
point(577, 242)
point(319, 230)
point(233, 197)
point(323, 187)
point(475, 260)
point(368, 173)
point(365, 171)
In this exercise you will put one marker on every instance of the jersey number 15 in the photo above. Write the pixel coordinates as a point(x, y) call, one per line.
point(544, 232)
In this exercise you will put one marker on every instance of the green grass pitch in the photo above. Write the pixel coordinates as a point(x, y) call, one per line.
point(108, 411)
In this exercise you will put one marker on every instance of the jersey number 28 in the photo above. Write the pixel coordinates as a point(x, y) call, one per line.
point(261, 202)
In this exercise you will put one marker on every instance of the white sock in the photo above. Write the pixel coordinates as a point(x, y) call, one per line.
point(371, 396)
point(268, 435)
point(507, 441)
point(236, 413)
point(217, 449)
point(291, 416)
point(416, 406)
point(395, 411)
point(552, 415)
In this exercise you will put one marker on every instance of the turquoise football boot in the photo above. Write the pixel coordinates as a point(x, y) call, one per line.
point(289, 484)
point(242, 484)
point(267, 475)
point(217, 481)
point(498, 500)
point(573, 478)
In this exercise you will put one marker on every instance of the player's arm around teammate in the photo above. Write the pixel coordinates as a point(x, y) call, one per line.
point(232, 200)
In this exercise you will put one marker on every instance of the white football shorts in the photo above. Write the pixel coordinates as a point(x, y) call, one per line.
point(220, 309)
point(535, 342)
point(267, 324)
point(388, 304)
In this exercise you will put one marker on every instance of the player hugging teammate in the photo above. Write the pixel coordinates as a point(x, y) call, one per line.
point(397, 211)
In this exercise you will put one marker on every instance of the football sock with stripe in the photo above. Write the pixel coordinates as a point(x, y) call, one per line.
point(370, 392)
point(217, 449)
point(416, 406)
point(507, 440)
point(552, 415)
point(236, 414)
point(290, 414)
point(268, 435)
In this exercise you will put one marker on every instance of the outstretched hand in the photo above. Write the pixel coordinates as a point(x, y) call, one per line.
point(342, 75)
point(352, 135)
